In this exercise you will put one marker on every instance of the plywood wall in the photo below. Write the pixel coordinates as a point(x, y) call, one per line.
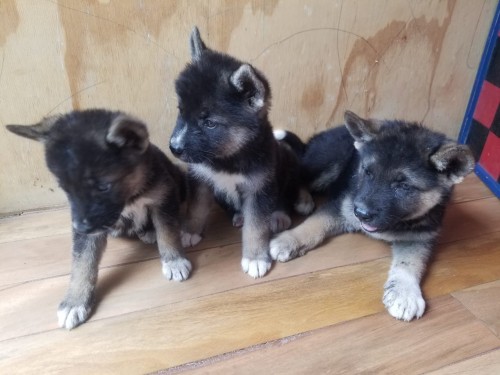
point(383, 58)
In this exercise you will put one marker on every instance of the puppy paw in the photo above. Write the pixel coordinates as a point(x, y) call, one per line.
point(71, 315)
point(305, 203)
point(177, 269)
point(148, 237)
point(280, 221)
point(255, 267)
point(238, 220)
point(284, 247)
point(403, 299)
point(190, 239)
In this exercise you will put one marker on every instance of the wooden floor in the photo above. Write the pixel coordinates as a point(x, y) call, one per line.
point(318, 314)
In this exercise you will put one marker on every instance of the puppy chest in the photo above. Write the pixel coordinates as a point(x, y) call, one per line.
point(136, 215)
point(228, 186)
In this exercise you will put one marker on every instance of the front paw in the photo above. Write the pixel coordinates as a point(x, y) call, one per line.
point(72, 314)
point(148, 237)
point(177, 269)
point(238, 220)
point(403, 299)
point(190, 239)
point(255, 267)
point(284, 247)
point(280, 221)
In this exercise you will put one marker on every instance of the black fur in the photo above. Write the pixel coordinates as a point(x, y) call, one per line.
point(116, 182)
point(392, 181)
point(223, 127)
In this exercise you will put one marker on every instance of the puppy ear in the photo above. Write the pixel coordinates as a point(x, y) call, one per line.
point(361, 130)
point(246, 81)
point(39, 132)
point(455, 160)
point(196, 44)
point(127, 132)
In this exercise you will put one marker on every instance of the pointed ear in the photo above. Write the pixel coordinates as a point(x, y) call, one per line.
point(454, 160)
point(361, 130)
point(127, 132)
point(246, 81)
point(39, 132)
point(196, 44)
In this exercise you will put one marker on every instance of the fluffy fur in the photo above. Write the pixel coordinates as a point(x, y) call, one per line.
point(223, 132)
point(116, 182)
point(391, 181)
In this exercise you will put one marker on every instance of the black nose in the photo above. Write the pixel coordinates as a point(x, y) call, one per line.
point(363, 213)
point(176, 150)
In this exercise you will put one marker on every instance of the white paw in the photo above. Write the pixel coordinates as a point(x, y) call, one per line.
point(190, 239)
point(148, 237)
point(255, 267)
point(284, 247)
point(177, 269)
point(70, 317)
point(280, 221)
point(403, 299)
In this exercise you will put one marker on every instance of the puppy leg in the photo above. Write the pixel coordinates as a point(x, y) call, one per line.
point(79, 300)
point(256, 234)
point(199, 205)
point(402, 294)
point(299, 240)
point(175, 265)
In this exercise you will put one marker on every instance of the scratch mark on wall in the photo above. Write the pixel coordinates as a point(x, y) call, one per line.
point(145, 37)
point(1, 69)
point(438, 35)
point(72, 96)
point(338, 56)
point(468, 64)
point(314, 30)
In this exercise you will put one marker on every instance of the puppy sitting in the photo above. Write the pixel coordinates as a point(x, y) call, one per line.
point(223, 132)
point(391, 180)
point(117, 182)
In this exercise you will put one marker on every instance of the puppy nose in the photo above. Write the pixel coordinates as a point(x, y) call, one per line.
point(176, 150)
point(82, 226)
point(362, 213)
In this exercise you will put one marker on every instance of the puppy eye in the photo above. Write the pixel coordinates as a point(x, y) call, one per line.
point(209, 124)
point(103, 187)
point(368, 172)
point(401, 185)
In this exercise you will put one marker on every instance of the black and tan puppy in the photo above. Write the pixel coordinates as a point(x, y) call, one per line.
point(390, 180)
point(117, 182)
point(223, 132)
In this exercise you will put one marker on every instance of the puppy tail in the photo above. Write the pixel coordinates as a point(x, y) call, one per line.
point(292, 140)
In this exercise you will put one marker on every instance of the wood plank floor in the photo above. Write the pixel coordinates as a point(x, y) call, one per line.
point(318, 314)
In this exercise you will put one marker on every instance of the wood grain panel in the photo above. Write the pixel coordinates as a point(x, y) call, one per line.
point(221, 321)
point(374, 345)
point(387, 58)
point(486, 364)
point(483, 301)
point(44, 255)
point(138, 286)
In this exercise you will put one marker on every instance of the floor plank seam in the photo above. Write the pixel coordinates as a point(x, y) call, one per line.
point(452, 363)
point(485, 324)
point(232, 354)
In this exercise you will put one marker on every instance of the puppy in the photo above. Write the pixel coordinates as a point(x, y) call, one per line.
point(391, 181)
point(117, 183)
point(223, 133)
